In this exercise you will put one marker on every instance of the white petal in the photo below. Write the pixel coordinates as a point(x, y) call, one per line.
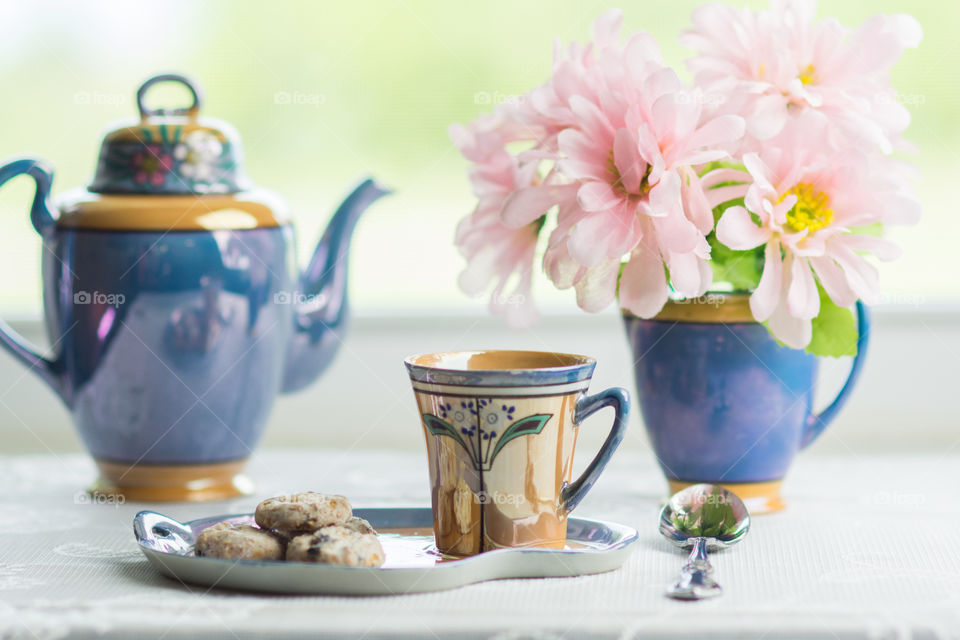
point(717, 176)
point(861, 275)
point(560, 267)
point(793, 332)
point(598, 286)
point(695, 203)
point(833, 281)
point(880, 247)
point(768, 118)
point(523, 206)
point(665, 195)
point(598, 196)
point(721, 195)
point(737, 230)
point(606, 28)
point(643, 285)
point(767, 295)
point(685, 274)
point(803, 299)
point(593, 239)
point(626, 157)
point(582, 157)
point(676, 233)
point(720, 130)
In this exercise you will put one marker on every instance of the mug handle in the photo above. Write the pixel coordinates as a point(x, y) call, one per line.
point(41, 215)
point(619, 399)
point(818, 422)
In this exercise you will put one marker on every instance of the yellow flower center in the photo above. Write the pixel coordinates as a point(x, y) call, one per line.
point(812, 210)
point(808, 75)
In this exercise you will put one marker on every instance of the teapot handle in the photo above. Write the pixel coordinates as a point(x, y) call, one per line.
point(41, 211)
point(41, 215)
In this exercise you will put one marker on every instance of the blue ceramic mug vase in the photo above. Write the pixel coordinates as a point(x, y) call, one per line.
point(173, 305)
point(722, 402)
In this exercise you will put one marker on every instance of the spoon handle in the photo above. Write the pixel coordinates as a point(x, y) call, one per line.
point(695, 582)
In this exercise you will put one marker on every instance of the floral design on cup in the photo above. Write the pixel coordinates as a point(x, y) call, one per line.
point(482, 427)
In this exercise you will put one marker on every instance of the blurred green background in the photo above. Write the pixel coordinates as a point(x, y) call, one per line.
point(372, 88)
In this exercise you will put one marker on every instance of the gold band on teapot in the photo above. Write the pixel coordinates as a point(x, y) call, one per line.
point(81, 209)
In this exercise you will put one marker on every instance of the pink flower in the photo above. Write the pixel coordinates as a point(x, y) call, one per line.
point(613, 153)
point(628, 136)
point(493, 251)
point(152, 166)
point(773, 65)
point(809, 207)
point(579, 70)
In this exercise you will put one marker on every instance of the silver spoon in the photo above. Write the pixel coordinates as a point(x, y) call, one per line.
point(702, 517)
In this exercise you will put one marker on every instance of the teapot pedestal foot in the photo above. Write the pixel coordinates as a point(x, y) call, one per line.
point(759, 497)
point(172, 483)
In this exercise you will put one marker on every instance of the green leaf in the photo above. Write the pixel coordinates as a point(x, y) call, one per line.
point(834, 330)
point(742, 269)
point(439, 427)
point(524, 426)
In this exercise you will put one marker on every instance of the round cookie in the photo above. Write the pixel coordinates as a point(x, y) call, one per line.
point(302, 512)
point(359, 525)
point(337, 545)
point(243, 542)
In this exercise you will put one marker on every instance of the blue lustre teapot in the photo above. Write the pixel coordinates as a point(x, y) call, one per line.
point(173, 304)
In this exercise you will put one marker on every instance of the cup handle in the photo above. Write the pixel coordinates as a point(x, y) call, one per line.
point(619, 399)
point(41, 215)
point(818, 422)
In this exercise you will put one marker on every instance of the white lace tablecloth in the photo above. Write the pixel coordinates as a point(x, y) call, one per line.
point(868, 548)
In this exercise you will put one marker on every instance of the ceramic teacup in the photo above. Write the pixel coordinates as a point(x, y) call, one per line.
point(500, 428)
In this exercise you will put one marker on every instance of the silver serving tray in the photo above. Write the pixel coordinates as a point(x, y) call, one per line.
point(412, 563)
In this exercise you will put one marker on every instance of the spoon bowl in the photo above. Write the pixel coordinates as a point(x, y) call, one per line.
point(700, 518)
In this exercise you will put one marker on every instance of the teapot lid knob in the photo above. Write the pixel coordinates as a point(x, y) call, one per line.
point(194, 89)
point(171, 151)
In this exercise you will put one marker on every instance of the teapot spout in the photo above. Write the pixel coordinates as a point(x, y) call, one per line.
point(320, 316)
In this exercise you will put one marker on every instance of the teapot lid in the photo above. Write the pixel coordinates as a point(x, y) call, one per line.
point(170, 151)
